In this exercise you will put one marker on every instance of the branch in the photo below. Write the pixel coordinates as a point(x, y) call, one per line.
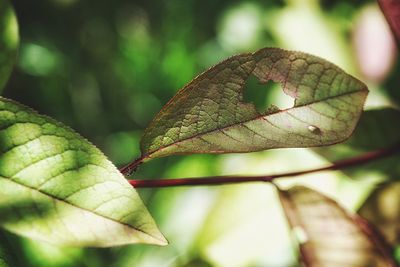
point(391, 10)
point(220, 180)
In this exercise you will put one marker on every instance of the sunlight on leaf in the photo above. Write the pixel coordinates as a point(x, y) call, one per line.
point(8, 41)
point(59, 188)
point(209, 115)
point(330, 236)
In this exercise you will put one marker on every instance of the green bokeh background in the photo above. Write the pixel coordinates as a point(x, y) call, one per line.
point(105, 68)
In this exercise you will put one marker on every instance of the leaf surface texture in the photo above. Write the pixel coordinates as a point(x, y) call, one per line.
point(209, 115)
point(57, 187)
point(329, 236)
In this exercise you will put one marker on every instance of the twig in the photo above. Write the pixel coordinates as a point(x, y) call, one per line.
point(221, 180)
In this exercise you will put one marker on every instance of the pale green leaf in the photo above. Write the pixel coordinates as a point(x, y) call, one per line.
point(328, 235)
point(57, 187)
point(209, 115)
point(8, 40)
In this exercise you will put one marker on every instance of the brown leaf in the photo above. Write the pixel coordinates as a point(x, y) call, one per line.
point(329, 235)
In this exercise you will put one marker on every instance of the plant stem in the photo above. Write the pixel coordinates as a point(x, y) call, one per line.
point(221, 180)
point(131, 167)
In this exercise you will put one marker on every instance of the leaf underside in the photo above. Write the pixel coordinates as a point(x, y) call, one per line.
point(57, 187)
point(331, 236)
point(209, 115)
point(8, 41)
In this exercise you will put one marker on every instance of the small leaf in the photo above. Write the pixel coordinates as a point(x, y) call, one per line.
point(330, 236)
point(377, 129)
point(57, 187)
point(382, 208)
point(209, 116)
point(8, 41)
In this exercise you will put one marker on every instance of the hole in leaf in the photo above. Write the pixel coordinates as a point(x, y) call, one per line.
point(266, 96)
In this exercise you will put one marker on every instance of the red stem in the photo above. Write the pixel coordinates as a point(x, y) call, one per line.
point(220, 180)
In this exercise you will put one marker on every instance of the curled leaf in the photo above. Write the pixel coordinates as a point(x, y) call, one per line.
point(57, 187)
point(330, 236)
point(8, 41)
point(209, 115)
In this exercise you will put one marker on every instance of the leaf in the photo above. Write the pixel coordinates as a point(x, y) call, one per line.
point(8, 41)
point(376, 130)
point(209, 116)
point(3, 256)
point(382, 208)
point(3, 263)
point(330, 236)
point(391, 10)
point(57, 187)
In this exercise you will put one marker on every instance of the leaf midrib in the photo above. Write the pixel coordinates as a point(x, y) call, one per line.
point(148, 155)
point(81, 208)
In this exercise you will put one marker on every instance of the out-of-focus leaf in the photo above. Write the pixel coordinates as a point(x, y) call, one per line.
point(328, 235)
point(57, 187)
point(391, 10)
point(382, 208)
point(3, 262)
point(197, 262)
point(377, 129)
point(209, 115)
point(8, 41)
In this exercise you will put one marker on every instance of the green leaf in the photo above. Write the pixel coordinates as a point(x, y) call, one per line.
point(382, 208)
point(8, 41)
point(3, 263)
point(57, 187)
point(209, 116)
point(376, 130)
point(329, 235)
point(3, 257)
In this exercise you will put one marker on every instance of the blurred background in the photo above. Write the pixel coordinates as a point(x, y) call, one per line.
point(105, 68)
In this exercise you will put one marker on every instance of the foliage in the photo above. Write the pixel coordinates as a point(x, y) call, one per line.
point(331, 236)
point(8, 41)
point(59, 188)
point(209, 116)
